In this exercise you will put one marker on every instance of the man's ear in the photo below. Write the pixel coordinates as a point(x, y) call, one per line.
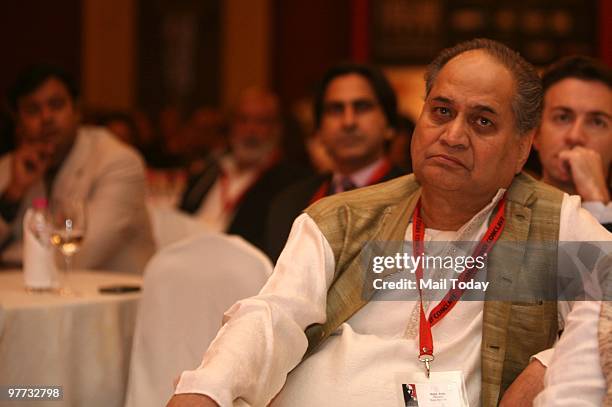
point(525, 142)
point(536, 139)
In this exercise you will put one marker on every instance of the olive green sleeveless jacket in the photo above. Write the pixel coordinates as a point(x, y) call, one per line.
point(512, 331)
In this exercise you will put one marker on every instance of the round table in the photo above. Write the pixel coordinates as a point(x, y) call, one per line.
point(82, 343)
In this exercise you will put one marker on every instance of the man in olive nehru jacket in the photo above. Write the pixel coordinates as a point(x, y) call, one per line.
point(483, 103)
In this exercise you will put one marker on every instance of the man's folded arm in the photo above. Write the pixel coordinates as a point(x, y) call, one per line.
point(263, 338)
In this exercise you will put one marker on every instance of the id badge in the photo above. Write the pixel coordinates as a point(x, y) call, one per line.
point(442, 389)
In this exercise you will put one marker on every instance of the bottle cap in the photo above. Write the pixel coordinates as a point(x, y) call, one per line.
point(39, 203)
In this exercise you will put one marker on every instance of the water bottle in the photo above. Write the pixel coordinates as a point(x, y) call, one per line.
point(39, 270)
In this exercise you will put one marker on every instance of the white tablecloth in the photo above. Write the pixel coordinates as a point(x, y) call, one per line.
point(81, 343)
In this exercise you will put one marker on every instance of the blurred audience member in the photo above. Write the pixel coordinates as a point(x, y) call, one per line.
point(574, 140)
point(57, 158)
point(399, 152)
point(233, 193)
point(356, 116)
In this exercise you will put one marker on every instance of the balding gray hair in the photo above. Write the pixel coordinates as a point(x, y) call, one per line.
point(527, 101)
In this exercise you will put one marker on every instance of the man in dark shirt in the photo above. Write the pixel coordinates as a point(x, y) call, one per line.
point(232, 193)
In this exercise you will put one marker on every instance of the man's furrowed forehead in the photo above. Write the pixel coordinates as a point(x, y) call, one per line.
point(579, 95)
point(476, 80)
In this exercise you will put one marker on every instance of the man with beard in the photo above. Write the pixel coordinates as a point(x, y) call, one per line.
point(232, 194)
point(59, 159)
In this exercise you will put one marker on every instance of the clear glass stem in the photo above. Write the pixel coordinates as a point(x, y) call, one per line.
point(67, 289)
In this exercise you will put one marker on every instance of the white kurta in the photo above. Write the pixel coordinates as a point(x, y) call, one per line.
point(264, 339)
point(602, 212)
point(574, 377)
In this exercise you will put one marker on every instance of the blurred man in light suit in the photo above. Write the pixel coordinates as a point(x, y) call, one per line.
point(57, 158)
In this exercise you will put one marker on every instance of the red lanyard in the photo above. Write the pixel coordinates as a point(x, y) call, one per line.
point(380, 172)
point(426, 348)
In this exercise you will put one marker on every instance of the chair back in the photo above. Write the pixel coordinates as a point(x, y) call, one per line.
point(170, 225)
point(187, 288)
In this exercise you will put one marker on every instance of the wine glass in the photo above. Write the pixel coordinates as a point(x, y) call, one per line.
point(67, 224)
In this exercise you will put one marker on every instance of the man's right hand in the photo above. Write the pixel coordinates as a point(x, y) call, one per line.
point(588, 173)
point(191, 400)
point(29, 164)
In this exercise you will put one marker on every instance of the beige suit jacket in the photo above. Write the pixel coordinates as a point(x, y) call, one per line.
point(109, 177)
